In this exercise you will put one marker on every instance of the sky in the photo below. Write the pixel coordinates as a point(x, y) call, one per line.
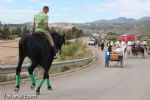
point(72, 11)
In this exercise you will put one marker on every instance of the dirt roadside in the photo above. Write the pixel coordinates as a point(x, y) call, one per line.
point(9, 52)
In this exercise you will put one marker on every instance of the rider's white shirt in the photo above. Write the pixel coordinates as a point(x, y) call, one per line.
point(144, 43)
point(119, 50)
point(117, 43)
point(123, 43)
point(111, 43)
point(137, 42)
point(130, 43)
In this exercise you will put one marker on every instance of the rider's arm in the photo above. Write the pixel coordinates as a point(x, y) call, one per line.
point(46, 27)
point(46, 23)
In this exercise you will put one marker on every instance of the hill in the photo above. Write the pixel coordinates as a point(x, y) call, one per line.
point(121, 25)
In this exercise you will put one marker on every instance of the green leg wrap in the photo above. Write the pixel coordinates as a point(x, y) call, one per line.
point(48, 82)
point(17, 80)
point(41, 83)
point(32, 77)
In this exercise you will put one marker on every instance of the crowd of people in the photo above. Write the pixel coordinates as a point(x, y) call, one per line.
point(120, 46)
point(129, 43)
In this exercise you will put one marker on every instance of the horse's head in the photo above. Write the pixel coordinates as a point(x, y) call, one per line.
point(58, 39)
point(63, 39)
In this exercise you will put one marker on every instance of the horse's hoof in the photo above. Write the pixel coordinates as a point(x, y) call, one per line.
point(16, 89)
point(49, 88)
point(37, 92)
point(32, 87)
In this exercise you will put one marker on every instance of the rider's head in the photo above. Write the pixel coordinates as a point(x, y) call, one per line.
point(45, 9)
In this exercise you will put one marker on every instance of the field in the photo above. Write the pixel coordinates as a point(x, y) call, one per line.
point(9, 52)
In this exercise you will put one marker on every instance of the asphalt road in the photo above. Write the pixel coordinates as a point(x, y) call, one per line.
point(95, 83)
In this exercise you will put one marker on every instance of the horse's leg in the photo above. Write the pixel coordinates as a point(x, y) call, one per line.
point(32, 77)
point(45, 77)
point(42, 81)
point(146, 49)
point(143, 52)
point(22, 56)
point(130, 52)
point(127, 52)
point(18, 70)
point(60, 51)
point(137, 53)
point(40, 85)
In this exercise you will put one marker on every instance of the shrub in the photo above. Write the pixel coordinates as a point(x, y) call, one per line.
point(75, 50)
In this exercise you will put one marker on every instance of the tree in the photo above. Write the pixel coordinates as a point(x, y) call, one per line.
point(0, 23)
point(0, 33)
point(68, 34)
point(14, 32)
point(19, 31)
point(25, 31)
point(79, 33)
point(74, 33)
point(5, 32)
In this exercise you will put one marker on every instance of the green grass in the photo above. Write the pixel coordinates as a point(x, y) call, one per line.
point(3, 77)
point(148, 43)
point(74, 50)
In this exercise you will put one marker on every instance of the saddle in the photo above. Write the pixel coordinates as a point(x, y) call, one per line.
point(43, 36)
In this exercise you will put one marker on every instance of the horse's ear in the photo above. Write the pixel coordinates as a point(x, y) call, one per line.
point(63, 35)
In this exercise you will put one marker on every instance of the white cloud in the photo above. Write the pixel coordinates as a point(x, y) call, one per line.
point(70, 8)
point(9, 15)
point(6, 2)
point(34, 0)
point(66, 2)
point(17, 11)
point(122, 7)
point(39, 0)
point(2, 1)
point(42, 1)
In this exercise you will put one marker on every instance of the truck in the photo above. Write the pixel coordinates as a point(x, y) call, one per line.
point(128, 37)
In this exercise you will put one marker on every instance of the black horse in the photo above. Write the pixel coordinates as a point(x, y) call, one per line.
point(137, 50)
point(35, 46)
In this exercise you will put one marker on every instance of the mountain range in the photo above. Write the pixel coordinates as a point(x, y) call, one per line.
point(121, 25)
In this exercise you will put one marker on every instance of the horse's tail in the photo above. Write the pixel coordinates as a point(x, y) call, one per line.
point(26, 45)
point(22, 48)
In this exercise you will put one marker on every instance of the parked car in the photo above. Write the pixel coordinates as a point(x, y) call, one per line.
point(92, 41)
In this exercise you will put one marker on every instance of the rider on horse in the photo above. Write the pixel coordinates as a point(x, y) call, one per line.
point(36, 48)
point(41, 26)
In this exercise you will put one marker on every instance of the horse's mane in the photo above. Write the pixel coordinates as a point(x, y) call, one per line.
point(55, 34)
point(57, 37)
